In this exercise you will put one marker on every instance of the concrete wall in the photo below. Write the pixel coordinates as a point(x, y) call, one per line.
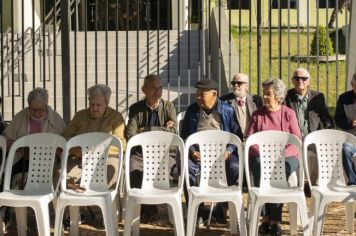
point(220, 56)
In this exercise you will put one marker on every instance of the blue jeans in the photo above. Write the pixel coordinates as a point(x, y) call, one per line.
point(273, 210)
point(348, 151)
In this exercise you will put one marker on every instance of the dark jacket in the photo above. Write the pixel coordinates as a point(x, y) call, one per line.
point(342, 121)
point(318, 115)
point(138, 118)
point(253, 102)
point(228, 118)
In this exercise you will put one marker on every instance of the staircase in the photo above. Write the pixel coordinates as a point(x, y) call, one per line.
point(127, 69)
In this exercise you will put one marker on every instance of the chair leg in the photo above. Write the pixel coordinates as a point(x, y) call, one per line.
point(136, 219)
point(58, 228)
point(2, 218)
point(293, 217)
point(107, 211)
point(350, 211)
point(192, 216)
point(210, 214)
point(176, 207)
point(303, 213)
point(74, 220)
point(129, 217)
point(233, 210)
point(255, 216)
point(21, 220)
point(115, 212)
point(42, 218)
point(238, 211)
point(319, 210)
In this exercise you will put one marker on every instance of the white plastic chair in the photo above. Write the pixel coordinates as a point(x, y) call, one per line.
point(213, 183)
point(155, 188)
point(180, 117)
point(3, 150)
point(274, 187)
point(331, 185)
point(38, 191)
point(95, 147)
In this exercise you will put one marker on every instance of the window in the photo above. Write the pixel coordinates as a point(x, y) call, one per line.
point(331, 3)
point(284, 4)
point(235, 4)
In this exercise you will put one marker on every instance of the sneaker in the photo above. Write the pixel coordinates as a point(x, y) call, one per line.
point(219, 215)
point(275, 230)
point(264, 228)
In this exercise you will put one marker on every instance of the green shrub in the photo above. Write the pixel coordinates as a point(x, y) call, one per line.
point(324, 43)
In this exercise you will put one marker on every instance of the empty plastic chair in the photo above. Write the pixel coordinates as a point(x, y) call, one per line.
point(38, 191)
point(331, 185)
point(274, 187)
point(156, 187)
point(95, 147)
point(213, 183)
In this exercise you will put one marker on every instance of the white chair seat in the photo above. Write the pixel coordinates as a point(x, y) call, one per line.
point(152, 194)
point(91, 193)
point(338, 193)
point(20, 196)
point(214, 191)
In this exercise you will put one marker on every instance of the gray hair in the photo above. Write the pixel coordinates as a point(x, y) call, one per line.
point(150, 78)
point(99, 89)
point(38, 94)
point(279, 88)
point(303, 70)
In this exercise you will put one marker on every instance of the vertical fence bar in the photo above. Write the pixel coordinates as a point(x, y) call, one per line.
point(168, 48)
point(250, 46)
point(288, 44)
point(12, 62)
point(337, 52)
point(259, 19)
point(317, 46)
point(43, 51)
point(2, 55)
point(219, 59)
point(96, 43)
point(270, 39)
point(240, 33)
point(22, 53)
point(117, 56)
point(229, 12)
point(148, 18)
point(54, 55)
point(178, 48)
point(157, 31)
point(127, 54)
point(346, 33)
point(308, 37)
point(75, 65)
point(279, 40)
point(86, 52)
point(298, 34)
point(209, 37)
point(189, 29)
point(33, 45)
point(106, 43)
point(138, 52)
point(327, 52)
point(65, 59)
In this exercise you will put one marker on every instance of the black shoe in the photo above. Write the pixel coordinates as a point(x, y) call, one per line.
point(275, 230)
point(148, 213)
point(264, 228)
point(219, 215)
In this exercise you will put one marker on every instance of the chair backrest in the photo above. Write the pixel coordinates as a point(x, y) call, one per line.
point(155, 157)
point(43, 148)
point(328, 144)
point(212, 146)
point(3, 155)
point(272, 146)
point(180, 117)
point(95, 151)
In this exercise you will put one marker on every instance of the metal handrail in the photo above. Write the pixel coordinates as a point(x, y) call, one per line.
point(28, 41)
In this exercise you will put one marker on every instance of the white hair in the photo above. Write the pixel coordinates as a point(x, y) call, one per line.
point(99, 89)
point(279, 88)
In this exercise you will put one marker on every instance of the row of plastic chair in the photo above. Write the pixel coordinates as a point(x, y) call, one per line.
point(156, 189)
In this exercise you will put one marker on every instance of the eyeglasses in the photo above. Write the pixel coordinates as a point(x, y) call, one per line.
point(298, 78)
point(35, 110)
point(233, 83)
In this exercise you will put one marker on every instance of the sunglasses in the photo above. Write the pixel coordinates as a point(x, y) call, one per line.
point(297, 78)
point(233, 83)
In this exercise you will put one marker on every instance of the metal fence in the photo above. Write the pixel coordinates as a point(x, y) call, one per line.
point(67, 46)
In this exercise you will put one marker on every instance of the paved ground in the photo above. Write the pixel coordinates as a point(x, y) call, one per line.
point(335, 224)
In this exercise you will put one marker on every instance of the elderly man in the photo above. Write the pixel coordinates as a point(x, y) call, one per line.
point(345, 119)
point(151, 113)
point(243, 102)
point(312, 113)
point(210, 113)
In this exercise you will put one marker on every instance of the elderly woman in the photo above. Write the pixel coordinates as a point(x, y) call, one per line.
point(99, 117)
point(37, 117)
point(273, 116)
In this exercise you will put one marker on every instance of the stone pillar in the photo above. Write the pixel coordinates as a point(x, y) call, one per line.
point(27, 14)
point(183, 14)
point(303, 12)
point(351, 50)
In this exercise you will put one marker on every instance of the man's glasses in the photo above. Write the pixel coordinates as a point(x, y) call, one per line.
point(233, 83)
point(298, 78)
point(34, 110)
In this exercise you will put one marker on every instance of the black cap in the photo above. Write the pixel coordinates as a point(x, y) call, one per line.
point(207, 84)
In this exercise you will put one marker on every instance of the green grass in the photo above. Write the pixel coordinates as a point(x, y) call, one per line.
point(329, 83)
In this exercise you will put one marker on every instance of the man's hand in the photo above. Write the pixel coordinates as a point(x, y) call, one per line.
point(196, 155)
point(140, 130)
point(227, 155)
point(170, 124)
point(353, 122)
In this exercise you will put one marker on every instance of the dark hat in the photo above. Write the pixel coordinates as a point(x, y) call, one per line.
point(207, 84)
